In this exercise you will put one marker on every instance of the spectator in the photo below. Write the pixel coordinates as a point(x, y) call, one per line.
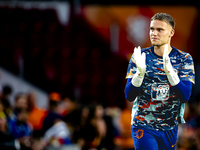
point(68, 106)
point(54, 129)
point(126, 137)
point(87, 131)
point(7, 91)
point(58, 134)
point(189, 133)
point(93, 133)
point(72, 116)
point(53, 113)
point(21, 102)
point(37, 114)
point(100, 125)
point(20, 128)
point(7, 141)
point(111, 130)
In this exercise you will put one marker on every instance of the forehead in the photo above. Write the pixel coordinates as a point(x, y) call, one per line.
point(160, 24)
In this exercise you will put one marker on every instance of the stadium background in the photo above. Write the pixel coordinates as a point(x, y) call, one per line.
point(81, 49)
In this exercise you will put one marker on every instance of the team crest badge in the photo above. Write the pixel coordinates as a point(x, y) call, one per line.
point(160, 91)
point(139, 133)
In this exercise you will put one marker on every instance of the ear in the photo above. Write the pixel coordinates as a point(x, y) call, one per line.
point(172, 32)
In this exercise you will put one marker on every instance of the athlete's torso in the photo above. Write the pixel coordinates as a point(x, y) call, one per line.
point(158, 106)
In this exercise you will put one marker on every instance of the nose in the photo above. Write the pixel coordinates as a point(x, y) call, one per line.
point(154, 33)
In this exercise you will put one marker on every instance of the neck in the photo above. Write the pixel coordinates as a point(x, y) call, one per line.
point(159, 50)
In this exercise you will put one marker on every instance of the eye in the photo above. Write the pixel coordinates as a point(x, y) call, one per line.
point(159, 29)
point(151, 29)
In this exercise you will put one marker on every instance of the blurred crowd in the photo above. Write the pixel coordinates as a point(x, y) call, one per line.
point(189, 133)
point(26, 126)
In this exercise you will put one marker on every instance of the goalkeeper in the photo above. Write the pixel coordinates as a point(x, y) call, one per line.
point(159, 81)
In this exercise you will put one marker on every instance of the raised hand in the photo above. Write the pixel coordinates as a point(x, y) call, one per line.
point(140, 61)
point(168, 68)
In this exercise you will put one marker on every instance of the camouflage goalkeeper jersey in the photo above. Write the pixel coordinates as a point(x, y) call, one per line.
point(157, 106)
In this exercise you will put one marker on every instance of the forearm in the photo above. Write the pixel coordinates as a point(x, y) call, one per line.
point(131, 91)
point(183, 90)
point(133, 84)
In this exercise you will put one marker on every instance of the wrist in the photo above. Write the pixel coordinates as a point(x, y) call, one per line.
point(173, 78)
point(137, 79)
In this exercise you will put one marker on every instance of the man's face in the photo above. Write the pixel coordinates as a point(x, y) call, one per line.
point(160, 32)
point(21, 103)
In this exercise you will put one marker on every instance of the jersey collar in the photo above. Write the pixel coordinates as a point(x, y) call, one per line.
point(170, 54)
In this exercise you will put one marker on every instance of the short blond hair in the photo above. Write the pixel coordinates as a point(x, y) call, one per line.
point(164, 17)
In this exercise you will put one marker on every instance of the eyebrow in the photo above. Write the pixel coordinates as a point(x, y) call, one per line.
point(157, 28)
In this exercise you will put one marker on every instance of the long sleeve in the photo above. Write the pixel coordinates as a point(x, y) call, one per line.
point(183, 90)
point(131, 91)
point(187, 78)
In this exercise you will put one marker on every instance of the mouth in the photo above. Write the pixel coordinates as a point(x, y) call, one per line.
point(154, 39)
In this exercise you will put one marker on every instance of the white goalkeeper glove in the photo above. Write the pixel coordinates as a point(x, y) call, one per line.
point(169, 70)
point(140, 61)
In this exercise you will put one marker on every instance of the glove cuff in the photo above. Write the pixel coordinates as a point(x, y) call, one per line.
point(137, 79)
point(173, 78)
